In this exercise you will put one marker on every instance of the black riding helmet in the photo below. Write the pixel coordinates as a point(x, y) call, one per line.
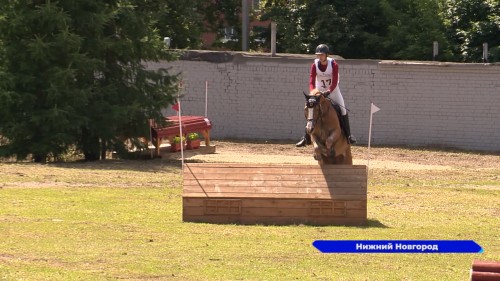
point(322, 49)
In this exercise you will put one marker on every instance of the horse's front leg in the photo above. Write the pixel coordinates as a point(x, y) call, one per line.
point(317, 148)
point(331, 140)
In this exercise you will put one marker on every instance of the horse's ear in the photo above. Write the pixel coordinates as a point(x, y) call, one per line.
point(305, 95)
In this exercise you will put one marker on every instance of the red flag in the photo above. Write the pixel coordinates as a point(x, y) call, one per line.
point(175, 107)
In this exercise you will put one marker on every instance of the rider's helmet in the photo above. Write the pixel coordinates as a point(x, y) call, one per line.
point(322, 49)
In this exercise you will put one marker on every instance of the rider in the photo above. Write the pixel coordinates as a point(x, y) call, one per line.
point(324, 77)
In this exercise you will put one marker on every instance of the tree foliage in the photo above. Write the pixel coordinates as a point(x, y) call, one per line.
point(397, 29)
point(387, 29)
point(470, 24)
point(73, 75)
point(72, 72)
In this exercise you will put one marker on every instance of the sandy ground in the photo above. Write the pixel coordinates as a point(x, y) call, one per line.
point(391, 158)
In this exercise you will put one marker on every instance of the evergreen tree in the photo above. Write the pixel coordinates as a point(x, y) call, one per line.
point(73, 75)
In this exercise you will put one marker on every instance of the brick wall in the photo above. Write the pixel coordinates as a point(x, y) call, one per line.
point(422, 103)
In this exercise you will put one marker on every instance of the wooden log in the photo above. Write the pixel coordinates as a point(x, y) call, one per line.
point(484, 276)
point(486, 266)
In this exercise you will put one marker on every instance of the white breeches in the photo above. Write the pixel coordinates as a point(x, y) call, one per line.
point(336, 96)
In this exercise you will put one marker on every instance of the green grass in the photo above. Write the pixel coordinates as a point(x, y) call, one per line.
point(118, 220)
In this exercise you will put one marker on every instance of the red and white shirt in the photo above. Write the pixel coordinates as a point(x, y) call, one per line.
point(324, 77)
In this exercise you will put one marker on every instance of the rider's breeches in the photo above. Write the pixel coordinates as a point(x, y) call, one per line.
point(336, 96)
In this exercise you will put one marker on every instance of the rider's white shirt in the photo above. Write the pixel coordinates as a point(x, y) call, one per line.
point(324, 79)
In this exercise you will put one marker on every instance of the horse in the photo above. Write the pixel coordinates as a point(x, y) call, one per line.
point(323, 126)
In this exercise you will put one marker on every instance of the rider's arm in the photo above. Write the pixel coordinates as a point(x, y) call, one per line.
point(312, 78)
point(335, 76)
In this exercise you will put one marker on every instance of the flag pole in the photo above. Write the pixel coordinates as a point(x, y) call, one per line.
point(150, 122)
point(179, 116)
point(373, 109)
point(206, 97)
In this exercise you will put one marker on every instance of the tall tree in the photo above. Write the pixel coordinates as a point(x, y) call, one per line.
point(181, 21)
point(470, 24)
point(412, 27)
point(377, 29)
point(295, 28)
point(74, 75)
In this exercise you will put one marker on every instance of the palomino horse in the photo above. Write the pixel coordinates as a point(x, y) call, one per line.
point(323, 125)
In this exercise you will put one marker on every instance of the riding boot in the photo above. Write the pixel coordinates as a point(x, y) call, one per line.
point(350, 138)
point(306, 140)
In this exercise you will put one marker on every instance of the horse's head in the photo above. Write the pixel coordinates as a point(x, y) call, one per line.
point(315, 106)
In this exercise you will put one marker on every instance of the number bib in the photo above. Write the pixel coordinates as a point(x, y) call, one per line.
point(324, 79)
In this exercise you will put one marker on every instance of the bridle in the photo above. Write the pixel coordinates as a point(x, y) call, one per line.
point(312, 102)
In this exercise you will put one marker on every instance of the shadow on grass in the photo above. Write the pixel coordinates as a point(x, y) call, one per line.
point(373, 223)
point(370, 223)
point(142, 165)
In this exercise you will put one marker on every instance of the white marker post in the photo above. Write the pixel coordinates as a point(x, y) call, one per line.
point(206, 98)
point(373, 109)
point(179, 114)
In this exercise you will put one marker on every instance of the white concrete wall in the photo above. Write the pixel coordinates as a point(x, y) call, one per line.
point(422, 103)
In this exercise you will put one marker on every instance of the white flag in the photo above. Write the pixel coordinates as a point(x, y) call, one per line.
point(374, 108)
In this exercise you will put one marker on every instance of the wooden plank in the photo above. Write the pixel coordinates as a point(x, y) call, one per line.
point(241, 191)
point(235, 176)
point(321, 183)
point(285, 203)
point(279, 195)
point(486, 266)
point(275, 165)
point(203, 168)
point(290, 170)
point(484, 276)
point(276, 211)
point(285, 220)
point(341, 183)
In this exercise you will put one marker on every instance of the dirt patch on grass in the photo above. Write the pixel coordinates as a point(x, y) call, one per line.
point(392, 158)
point(406, 166)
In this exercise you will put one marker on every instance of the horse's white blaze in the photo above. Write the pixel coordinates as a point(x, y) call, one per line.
point(310, 113)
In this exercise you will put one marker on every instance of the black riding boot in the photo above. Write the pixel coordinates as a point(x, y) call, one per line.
point(350, 138)
point(306, 140)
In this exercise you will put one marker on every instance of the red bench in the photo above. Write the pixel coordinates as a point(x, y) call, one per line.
point(190, 124)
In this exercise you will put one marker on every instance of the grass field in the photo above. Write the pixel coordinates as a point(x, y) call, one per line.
point(122, 220)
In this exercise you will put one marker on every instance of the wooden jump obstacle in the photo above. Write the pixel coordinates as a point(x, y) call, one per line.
point(276, 194)
point(485, 271)
point(190, 124)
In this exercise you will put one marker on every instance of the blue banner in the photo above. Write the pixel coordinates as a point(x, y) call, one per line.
point(397, 246)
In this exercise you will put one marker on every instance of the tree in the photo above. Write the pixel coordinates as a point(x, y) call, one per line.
point(182, 21)
point(471, 23)
point(375, 29)
point(74, 75)
point(412, 27)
